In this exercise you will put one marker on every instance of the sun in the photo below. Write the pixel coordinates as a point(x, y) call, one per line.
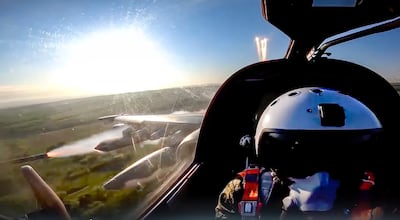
point(115, 61)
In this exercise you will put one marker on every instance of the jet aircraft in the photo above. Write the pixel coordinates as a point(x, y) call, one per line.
point(215, 133)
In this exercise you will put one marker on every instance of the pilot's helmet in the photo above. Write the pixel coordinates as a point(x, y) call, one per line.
point(312, 129)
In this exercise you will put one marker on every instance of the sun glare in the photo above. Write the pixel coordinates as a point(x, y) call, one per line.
point(115, 61)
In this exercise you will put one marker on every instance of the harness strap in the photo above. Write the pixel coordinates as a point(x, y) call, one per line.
point(257, 188)
point(250, 205)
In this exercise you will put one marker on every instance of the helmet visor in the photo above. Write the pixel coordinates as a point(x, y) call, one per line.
point(302, 153)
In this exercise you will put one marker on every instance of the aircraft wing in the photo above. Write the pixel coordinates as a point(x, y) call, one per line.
point(175, 126)
point(173, 118)
point(177, 148)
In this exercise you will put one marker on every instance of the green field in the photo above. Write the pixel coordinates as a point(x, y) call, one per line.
point(77, 179)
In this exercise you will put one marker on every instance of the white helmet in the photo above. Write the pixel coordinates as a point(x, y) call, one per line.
point(316, 128)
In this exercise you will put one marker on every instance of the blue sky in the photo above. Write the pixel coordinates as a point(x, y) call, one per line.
point(64, 48)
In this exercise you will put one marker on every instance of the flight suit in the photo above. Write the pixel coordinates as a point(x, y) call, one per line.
point(234, 193)
point(244, 196)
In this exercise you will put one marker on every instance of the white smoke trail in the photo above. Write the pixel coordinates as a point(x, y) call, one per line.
point(86, 145)
point(261, 45)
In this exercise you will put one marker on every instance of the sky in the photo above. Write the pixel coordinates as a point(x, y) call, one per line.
point(52, 49)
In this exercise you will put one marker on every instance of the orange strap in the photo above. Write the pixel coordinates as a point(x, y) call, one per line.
point(250, 204)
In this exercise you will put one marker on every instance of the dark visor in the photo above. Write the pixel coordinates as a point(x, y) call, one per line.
point(302, 153)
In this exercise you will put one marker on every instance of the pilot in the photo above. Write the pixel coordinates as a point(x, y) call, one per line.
point(314, 148)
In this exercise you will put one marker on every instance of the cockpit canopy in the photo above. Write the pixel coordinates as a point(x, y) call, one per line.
point(320, 19)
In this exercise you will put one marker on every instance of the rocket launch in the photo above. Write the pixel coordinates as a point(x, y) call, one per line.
point(28, 158)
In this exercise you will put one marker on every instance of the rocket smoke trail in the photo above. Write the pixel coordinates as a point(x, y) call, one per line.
point(28, 158)
point(82, 146)
point(85, 145)
point(261, 45)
